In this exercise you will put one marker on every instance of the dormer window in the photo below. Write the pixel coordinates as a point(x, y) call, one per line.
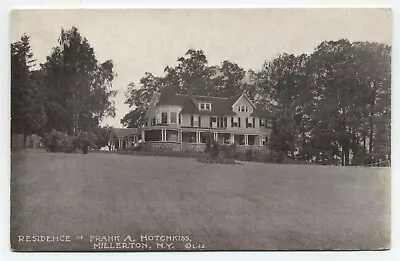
point(205, 106)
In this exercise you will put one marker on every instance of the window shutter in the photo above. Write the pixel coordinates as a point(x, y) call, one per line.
point(210, 122)
point(191, 120)
point(254, 122)
point(199, 121)
point(247, 122)
point(231, 121)
point(239, 122)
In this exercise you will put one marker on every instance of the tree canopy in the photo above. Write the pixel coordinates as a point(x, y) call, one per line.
point(70, 92)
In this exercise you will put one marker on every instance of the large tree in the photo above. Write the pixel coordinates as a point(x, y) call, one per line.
point(138, 99)
point(27, 110)
point(281, 88)
point(229, 79)
point(192, 75)
point(78, 86)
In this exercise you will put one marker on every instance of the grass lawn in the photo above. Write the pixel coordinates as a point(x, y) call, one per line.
point(252, 206)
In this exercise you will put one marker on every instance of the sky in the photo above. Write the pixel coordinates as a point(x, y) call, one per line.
point(143, 40)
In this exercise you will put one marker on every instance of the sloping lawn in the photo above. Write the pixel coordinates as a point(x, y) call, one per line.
point(252, 206)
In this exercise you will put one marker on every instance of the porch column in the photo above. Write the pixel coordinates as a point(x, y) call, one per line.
point(119, 143)
point(197, 137)
point(260, 139)
point(232, 138)
point(163, 135)
point(246, 139)
point(180, 136)
point(215, 136)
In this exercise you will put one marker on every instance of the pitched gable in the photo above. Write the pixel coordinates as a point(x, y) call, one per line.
point(243, 98)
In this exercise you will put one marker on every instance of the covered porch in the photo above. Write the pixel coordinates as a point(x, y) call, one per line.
point(200, 137)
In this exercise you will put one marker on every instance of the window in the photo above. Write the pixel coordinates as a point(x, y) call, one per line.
point(203, 137)
point(269, 124)
point(254, 122)
point(262, 122)
point(213, 122)
point(180, 118)
point(164, 118)
point(242, 108)
point(205, 106)
point(173, 118)
point(191, 120)
point(249, 123)
point(225, 122)
point(153, 121)
point(199, 121)
point(158, 118)
point(239, 122)
point(234, 122)
point(246, 108)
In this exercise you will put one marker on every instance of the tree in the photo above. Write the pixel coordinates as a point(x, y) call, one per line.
point(281, 87)
point(139, 100)
point(229, 79)
point(192, 75)
point(350, 86)
point(102, 135)
point(27, 109)
point(78, 87)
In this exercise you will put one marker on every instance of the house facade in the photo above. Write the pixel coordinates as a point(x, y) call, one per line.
point(183, 122)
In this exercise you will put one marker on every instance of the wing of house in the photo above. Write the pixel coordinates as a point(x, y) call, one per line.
point(122, 138)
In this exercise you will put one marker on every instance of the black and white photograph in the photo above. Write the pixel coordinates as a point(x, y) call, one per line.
point(150, 130)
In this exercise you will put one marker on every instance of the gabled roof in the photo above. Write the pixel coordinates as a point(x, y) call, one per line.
point(220, 106)
point(123, 132)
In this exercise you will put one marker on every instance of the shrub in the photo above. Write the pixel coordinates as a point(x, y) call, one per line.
point(229, 151)
point(249, 155)
point(85, 140)
point(215, 149)
point(57, 141)
point(209, 140)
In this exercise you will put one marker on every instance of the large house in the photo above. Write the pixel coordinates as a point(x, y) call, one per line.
point(182, 122)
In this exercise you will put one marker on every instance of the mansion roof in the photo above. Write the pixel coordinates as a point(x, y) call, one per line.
point(220, 106)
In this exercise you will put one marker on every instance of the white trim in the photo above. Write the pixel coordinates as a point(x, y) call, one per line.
point(243, 95)
point(205, 103)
